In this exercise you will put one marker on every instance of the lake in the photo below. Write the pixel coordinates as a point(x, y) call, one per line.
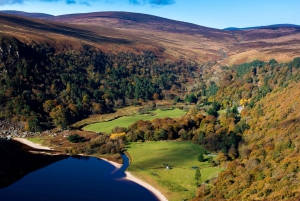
point(64, 178)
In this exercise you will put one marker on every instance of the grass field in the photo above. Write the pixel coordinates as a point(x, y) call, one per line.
point(36, 140)
point(126, 111)
point(128, 120)
point(177, 183)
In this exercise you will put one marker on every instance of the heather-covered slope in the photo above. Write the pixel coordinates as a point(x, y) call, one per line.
point(134, 21)
point(25, 14)
point(202, 43)
point(70, 37)
point(181, 40)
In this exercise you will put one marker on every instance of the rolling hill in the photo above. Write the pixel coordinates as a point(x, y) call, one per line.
point(25, 14)
point(202, 43)
point(28, 29)
point(179, 40)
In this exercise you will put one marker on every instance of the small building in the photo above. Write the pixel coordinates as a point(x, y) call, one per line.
point(240, 108)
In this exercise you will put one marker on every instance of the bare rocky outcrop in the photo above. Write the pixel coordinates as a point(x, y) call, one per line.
point(9, 129)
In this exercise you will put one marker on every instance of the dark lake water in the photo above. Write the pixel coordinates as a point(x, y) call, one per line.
point(66, 178)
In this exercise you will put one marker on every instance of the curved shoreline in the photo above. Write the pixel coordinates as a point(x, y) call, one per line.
point(134, 179)
point(156, 192)
point(129, 176)
point(31, 144)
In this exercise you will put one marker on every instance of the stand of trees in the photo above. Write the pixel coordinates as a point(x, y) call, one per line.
point(102, 144)
point(267, 165)
point(222, 133)
point(40, 84)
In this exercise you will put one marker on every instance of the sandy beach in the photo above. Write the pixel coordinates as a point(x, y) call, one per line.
point(158, 194)
point(117, 165)
point(31, 144)
point(129, 176)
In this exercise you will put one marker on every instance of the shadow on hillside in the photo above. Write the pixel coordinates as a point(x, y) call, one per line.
point(65, 30)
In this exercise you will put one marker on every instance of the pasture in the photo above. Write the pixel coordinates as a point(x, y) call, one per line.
point(126, 121)
point(178, 183)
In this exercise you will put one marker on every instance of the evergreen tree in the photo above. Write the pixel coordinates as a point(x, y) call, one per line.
point(201, 157)
point(197, 176)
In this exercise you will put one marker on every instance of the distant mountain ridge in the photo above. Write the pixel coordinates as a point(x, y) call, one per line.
point(25, 14)
point(273, 26)
point(121, 31)
point(131, 18)
point(127, 19)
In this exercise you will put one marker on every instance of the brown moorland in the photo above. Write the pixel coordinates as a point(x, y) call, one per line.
point(194, 40)
point(172, 40)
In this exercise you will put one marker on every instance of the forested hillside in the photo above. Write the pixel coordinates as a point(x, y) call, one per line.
point(268, 165)
point(40, 84)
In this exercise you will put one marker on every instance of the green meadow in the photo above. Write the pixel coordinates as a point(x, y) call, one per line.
point(178, 183)
point(126, 121)
point(36, 140)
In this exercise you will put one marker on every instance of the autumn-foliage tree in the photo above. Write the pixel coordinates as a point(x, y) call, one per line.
point(194, 126)
point(59, 117)
point(38, 77)
point(265, 166)
point(32, 124)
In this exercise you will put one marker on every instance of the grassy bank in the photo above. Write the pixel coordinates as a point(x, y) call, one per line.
point(126, 121)
point(126, 111)
point(178, 183)
point(37, 140)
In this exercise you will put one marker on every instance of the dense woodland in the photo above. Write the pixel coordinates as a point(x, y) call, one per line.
point(41, 86)
point(268, 165)
point(101, 144)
